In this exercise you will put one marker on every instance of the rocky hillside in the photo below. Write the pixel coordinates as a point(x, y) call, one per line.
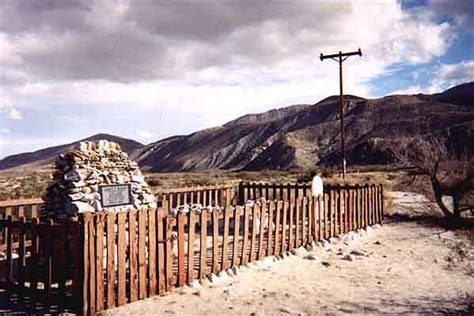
point(302, 136)
point(44, 157)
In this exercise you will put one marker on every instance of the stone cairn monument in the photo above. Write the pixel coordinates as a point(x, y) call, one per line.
point(93, 178)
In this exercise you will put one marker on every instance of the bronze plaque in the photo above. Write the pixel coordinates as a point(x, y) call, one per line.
point(115, 195)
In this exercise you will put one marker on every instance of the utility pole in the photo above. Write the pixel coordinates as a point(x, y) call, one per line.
point(341, 57)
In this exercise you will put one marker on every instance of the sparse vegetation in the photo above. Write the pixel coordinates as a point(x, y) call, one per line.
point(451, 176)
point(31, 185)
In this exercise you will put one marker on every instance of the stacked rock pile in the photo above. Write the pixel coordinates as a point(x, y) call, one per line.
point(79, 174)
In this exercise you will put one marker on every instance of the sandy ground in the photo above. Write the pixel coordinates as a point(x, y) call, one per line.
point(403, 267)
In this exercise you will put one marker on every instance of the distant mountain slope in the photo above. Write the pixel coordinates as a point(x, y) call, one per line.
point(46, 156)
point(462, 94)
point(303, 136)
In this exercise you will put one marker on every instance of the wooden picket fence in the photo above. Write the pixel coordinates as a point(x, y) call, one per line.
point(133, 255)
point(222, 195)
point(43, 261)
point(109, 259)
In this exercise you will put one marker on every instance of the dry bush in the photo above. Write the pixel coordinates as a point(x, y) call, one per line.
point(449, 175)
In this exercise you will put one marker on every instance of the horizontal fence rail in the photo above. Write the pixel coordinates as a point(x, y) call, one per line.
point(216, 195)
point(108, 259)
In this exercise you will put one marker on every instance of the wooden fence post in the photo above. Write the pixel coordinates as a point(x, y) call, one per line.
point(110, 259)
point(271, 209)
point(285, 243)
point(203, 244)
point(9, 250)
point(181, 250)
point(235, 252)
point(191, 233)
point(99, 260)
point(121, 258)
point(246, 235)
point(133, 255)
point(278, 210)
point(263, 210)
point(225, 238)
point(254, 233)
point(152, 252)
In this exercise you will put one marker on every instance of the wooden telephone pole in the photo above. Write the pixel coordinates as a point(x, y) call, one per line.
point(341, 57)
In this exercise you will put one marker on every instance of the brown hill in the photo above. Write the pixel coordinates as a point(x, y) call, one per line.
point(303, 136)
point(45, 157)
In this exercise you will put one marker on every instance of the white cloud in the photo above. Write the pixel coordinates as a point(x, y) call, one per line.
point(6, 130)
point(146, 136)
point(200, 64)
point(15, 115)
point(443, 77)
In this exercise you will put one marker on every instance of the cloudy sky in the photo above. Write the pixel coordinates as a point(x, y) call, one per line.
point(148, 69)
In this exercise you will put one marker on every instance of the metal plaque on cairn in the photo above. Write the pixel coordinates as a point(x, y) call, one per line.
point(115, 195)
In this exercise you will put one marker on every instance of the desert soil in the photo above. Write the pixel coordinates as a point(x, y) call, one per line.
point(407, 266)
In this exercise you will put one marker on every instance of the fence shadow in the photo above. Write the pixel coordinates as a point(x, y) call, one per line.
point(29, 302)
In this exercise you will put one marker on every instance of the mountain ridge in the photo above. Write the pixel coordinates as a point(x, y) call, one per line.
point(301, 136)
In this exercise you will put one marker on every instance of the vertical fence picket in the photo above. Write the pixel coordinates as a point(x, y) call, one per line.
point(92, 272)
point(203, 245)
point(367, 206)
point(291, 207)
point(327, 215)
point(142, 293)
point(330, 209)
point(377, 198)
point(235, 250)
point(191, 232)
point(311, 219)
point(297, 221)
point(305, 223)
point(21, 251)
point(133, 256)
point(121, 258)
point(161, 247)
point(110, 260)
point(374, 204)
point(169, 253)
point(225, 238)
point(286, 207)
point(246, 235)
point(85, 219)
point(271, 208)
point(181, 249)
point(99, 260)
point(337, 212)
point(263, 210)
point(254, 233)
point(152, 276)
point(320, 217)
point(9, 250)
point(215, 242)
point(278, 206)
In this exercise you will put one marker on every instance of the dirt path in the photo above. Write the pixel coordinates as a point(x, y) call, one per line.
point(399, 268)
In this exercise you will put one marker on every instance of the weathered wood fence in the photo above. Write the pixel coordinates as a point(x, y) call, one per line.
point(204, 195)
point(43, 259)
point(109, 259)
